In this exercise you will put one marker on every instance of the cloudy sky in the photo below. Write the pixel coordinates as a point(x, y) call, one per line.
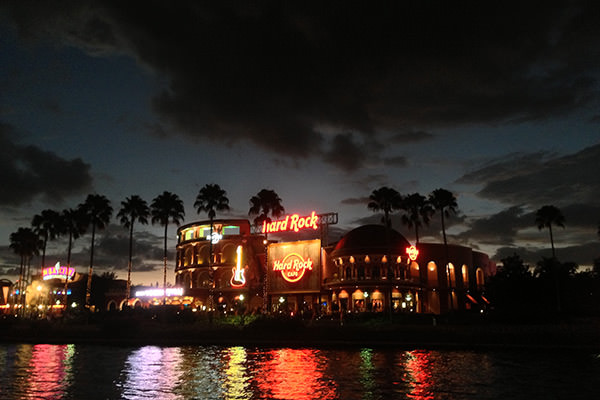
point(322, 102)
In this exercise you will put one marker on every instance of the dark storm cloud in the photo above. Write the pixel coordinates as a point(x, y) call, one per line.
point(411, 137)
point(536, 179)
point(583, 255)
point(398, 161)
point(501, 228)
point(355, 200)
point(28, 172)
point(272, 73)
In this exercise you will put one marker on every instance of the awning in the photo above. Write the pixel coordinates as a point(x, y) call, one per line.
point(472, 299)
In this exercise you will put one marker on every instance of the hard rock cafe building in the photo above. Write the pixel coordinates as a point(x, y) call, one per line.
point(371, 269)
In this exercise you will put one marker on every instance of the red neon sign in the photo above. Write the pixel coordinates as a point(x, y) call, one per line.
point(292, 223)
point(293, 267)
point(412, 252)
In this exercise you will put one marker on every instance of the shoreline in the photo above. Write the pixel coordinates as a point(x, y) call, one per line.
point(484, 336)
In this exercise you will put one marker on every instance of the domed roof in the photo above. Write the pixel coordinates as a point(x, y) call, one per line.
point(370, 239)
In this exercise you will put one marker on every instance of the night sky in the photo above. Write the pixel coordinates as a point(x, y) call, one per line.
point(322, 102)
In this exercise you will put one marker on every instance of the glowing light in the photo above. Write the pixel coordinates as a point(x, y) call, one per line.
point(159, 292)
point(412, 252)
point(237, 277)
point(215, 238)
point(293, 267)
point(292, 223)
point(57, 272)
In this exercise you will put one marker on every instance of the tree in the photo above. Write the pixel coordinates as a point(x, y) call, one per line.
point(133, 209)
point(444, 202)
point(96, 212)
point(418, 211)
point(165, 208)
point(73, 224)
point(547, 216)
point(48, 226)
point(264, 205)
point(210, 199)
point(387, 200)
point(26, 243)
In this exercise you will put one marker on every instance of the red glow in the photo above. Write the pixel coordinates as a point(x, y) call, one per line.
point(412, 252)
point(419, 369)
point(292, 223)
point(292, 267)
point(295, 374)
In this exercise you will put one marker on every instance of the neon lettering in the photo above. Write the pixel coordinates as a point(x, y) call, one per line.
point(293, 267)
point(292, 223)
point(159, 292)
point(57, 272)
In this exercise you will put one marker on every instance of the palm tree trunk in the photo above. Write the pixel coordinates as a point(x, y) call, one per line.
point(129, 263)
point(88, 290)
point(165, 269)
point(43, 264)
point(447, 260)
point(66, 300)
point(552, 241)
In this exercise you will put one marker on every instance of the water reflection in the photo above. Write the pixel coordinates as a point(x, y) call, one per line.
point(213, 372)
point(237, 380)
point(152, 372)
point(294, 374)
point(419, 375)
point(49, 370)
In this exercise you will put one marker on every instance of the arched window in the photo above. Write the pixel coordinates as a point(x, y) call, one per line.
point(414, 270)
point(189, 256)
point(479, 277)
point(465, 275)
point(451, 275)
point(432, 276)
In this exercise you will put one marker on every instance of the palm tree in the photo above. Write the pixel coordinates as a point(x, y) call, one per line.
point(73, 222)
point(444, 201)
point(97, 212)
point(133, 209)
point(417, 212)
point(387, 200)
point(166, 207)
point(264, 205)
point(47, 225)
point(26, 243)
point(547, 216)
point(211, 198)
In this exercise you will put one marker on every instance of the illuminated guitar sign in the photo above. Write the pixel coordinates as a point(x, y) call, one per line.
point(292, 223)
point(412, 252)
point(237, 277)
point(57, 272)
point(293, 267)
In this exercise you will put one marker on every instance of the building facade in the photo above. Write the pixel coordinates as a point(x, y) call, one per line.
point(371, 269)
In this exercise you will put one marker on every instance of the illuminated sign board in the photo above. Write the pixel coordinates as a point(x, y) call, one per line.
point(412, 252)
point(159, 292)
point(292, 223)
point(237, 276)
point(294, 267)
point(57, 272)
point(216, 237)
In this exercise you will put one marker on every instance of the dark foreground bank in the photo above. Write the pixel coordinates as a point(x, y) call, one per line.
point(275, 332)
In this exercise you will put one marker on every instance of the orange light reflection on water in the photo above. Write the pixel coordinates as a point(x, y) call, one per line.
point(295, 374)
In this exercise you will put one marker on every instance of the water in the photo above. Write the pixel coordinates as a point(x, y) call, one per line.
point(211, 372)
